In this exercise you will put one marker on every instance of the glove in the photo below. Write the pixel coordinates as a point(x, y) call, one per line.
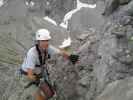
point(74, 58)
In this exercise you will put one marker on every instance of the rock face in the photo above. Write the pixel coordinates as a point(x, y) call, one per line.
point(118, 90)
point(104, 44)
point(124, 1)
point(56, 9)
point(16, 37)
point(129, 10)
point(111, 6)
point(115, 53)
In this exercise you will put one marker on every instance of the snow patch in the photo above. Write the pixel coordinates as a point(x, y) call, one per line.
point(66, 43)
point(92, 6)
point(80, 5)
point(50, 20)
point(64, 25)
point(26, 3)
point(31, 4)
point(1, 3)
point(68, 16)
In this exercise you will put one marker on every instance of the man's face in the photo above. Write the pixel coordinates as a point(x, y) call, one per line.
point(44, 44)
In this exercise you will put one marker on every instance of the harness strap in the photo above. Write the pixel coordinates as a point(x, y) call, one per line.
point(22, 71)
point(39, 55)
point(42, 60)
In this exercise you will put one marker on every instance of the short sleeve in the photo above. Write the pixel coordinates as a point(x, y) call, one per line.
point(29, 61)
point(52, 50)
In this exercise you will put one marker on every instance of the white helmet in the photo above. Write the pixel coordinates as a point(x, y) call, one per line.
point(43, 34)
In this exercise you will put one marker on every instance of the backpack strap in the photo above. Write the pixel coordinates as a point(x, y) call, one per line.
point(46, 55)
point(39, 55)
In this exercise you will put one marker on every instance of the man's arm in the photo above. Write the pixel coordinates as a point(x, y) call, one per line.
point(29, 63)
point(62, 52)
point(66, 54)
point(30, 74)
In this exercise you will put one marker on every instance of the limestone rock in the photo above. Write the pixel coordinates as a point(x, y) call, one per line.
point(118, 90)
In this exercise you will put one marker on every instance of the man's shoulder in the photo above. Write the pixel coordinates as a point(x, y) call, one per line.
point(32, 50)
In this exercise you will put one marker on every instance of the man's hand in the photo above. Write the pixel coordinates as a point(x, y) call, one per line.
point(64, 53)
point(30, 75)
point(74, 58)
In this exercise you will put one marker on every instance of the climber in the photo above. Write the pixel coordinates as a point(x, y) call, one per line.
point(36, 58)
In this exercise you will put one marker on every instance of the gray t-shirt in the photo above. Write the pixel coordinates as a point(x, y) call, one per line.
point(32, 59)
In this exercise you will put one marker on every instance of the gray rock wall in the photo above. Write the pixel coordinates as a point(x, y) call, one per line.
point(104, 44)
